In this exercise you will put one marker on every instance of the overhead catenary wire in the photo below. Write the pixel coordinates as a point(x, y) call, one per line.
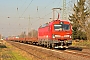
point(38, 9)
point(43, 9)
point(47, 14)
point(37, 12)
point(58, 6)
point(27, 8)
point(23, 4)
point(44, 16)
point(67, 7)
point(48, 5)
point(17, 9)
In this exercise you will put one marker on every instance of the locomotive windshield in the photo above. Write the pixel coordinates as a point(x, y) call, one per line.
point(66, 26)
point(58, 27)
point(61, 27)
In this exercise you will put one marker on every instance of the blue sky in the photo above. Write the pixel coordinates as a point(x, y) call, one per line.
point(19, 12)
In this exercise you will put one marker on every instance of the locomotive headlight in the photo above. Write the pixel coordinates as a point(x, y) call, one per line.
point(53, 36)
point(70, 37)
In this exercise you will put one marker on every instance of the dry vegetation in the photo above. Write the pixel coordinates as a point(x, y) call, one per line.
point(8, 52)
point(81, 43)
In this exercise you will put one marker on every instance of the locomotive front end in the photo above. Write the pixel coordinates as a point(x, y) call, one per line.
point(55, 34)
point(61, 34)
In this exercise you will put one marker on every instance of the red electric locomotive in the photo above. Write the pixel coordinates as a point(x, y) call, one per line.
point(55, 34)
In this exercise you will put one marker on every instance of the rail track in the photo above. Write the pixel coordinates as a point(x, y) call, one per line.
point(83, 54)
point(48, 54)
point(37, 52)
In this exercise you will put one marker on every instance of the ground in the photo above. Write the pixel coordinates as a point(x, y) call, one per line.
point(8, 52)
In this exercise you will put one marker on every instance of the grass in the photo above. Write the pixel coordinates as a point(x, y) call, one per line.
point(9, 52)
point(18, 56)
point(84, 44)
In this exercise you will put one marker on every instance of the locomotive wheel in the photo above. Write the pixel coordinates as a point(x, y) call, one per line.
point(30, 43)
point(47, 44)
point(52, 46)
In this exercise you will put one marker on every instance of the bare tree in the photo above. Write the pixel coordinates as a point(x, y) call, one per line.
point(33, 33)
point(22, 35)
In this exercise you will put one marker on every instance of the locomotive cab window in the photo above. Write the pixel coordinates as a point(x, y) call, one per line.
point(66, 27)
point(58, 27)
point(61, 27)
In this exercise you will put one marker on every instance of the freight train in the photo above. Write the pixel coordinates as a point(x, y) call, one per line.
point(55, 34)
